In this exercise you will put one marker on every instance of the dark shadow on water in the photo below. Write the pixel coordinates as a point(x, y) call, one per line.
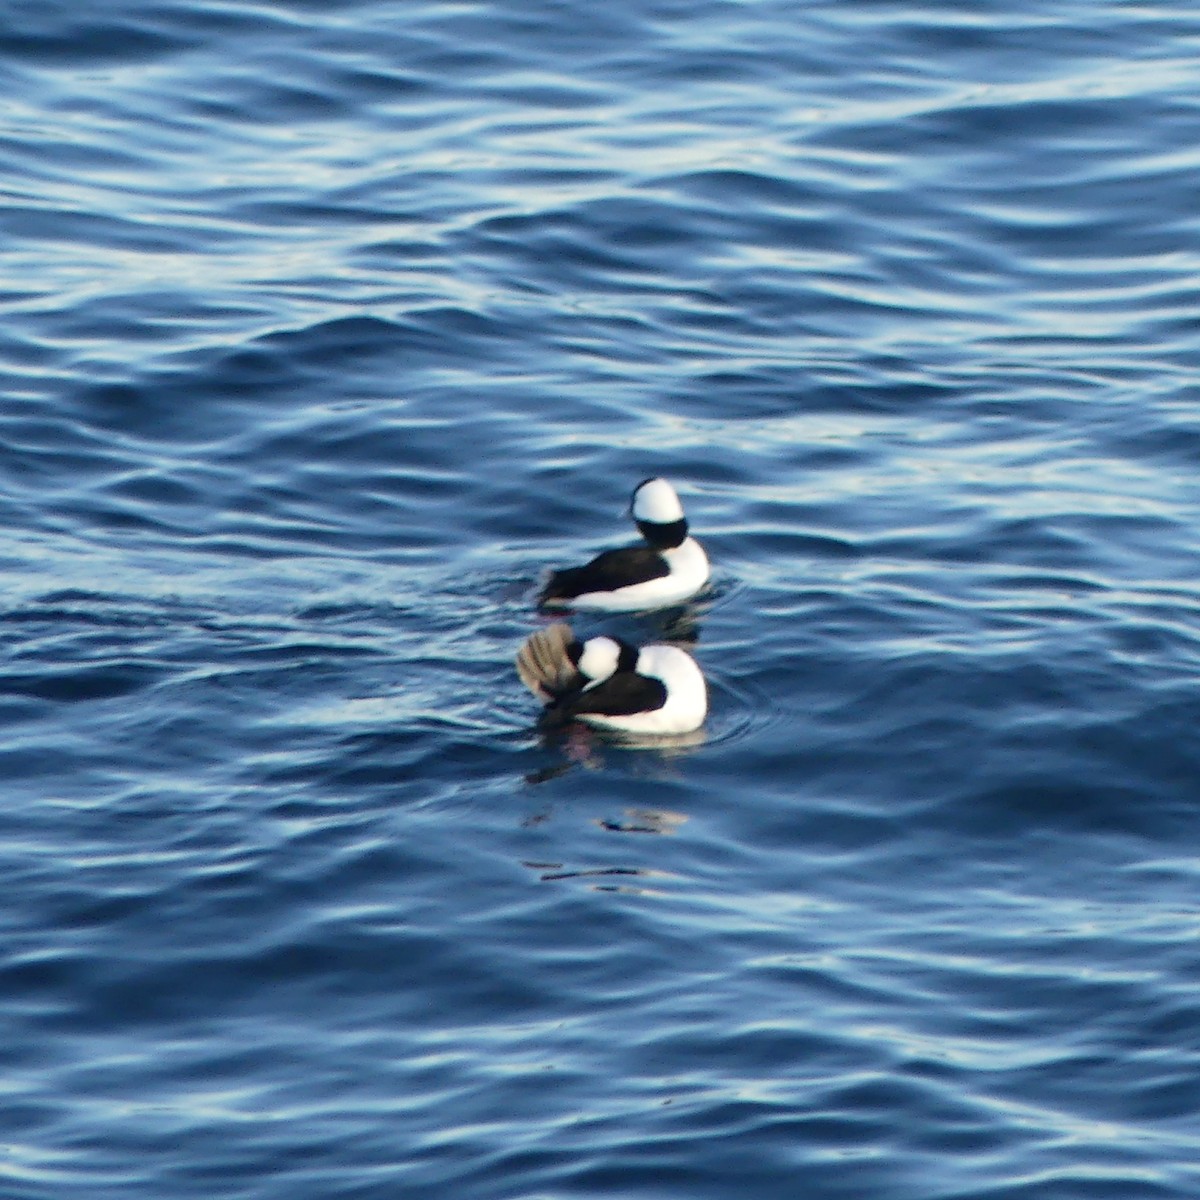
point(679, 626)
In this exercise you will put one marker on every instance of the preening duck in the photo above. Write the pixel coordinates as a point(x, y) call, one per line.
point(610, 684)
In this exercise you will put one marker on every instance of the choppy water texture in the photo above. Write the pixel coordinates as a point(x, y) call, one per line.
point(328, 326)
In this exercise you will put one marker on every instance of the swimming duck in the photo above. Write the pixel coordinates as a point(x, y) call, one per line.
point(667, 569)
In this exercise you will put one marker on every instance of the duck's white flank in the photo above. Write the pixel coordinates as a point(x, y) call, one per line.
point(689, 573)
point(687, 696)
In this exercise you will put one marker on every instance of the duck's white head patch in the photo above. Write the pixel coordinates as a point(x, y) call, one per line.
point(655, 500)
point(599, 657)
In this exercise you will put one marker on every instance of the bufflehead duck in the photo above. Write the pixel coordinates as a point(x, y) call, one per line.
point(609, 684)
point(667, 570)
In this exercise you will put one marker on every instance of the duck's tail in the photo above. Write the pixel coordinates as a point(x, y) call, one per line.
point(543, 664)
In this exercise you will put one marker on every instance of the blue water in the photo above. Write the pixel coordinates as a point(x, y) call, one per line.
point(327, 327)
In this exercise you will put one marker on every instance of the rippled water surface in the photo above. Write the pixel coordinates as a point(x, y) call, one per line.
point(327, 327)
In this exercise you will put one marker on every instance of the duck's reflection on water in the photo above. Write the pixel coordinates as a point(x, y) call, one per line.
point(645, 820)
point(603, 879)
point(579, 746)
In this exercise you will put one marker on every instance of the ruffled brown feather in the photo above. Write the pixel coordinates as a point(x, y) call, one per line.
point(543, 664)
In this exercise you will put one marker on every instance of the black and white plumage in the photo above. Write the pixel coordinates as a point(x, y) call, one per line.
point(609, 684)
point(667, 568)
